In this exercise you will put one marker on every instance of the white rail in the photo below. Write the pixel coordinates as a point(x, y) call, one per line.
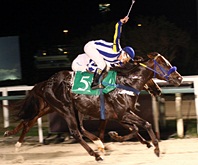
point(178, 91)
point(192, 79)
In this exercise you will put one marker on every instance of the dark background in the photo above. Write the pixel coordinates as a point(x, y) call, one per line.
point(40, 23)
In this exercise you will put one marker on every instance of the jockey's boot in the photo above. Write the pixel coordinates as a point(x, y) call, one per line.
point(97, 79)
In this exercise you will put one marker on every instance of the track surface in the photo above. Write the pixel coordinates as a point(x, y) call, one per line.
point(173, 151)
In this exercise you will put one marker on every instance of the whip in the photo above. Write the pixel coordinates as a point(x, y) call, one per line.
point(133, 1)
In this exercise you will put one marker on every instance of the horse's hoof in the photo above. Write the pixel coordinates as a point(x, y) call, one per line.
point(157, 152)
point(113, 134)
point(149, 145)
point(18, 145)
point(99, 158)
point(6, 134)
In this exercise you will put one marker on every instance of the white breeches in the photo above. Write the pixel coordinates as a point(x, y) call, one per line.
point(80, 63)
point(93, 54)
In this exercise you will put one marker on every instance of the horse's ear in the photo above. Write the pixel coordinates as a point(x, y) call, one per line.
point(138, 58)
point(152, 55)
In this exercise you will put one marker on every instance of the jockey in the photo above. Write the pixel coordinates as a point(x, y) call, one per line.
point(100, 55)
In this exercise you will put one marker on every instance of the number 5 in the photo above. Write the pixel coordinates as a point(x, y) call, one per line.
point(84, 81)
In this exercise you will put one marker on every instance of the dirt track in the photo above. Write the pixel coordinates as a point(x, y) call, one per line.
point(177, 152)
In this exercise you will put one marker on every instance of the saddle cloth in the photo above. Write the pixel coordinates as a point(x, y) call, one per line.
point(83, 80)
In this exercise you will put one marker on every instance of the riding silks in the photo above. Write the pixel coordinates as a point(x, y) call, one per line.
point(83, 80)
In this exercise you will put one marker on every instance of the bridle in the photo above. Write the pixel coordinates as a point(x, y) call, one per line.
point(163, 73)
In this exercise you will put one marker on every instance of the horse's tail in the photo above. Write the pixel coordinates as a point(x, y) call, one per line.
point(27, 108)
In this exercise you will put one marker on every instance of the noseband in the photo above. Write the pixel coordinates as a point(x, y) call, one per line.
point(163, 73)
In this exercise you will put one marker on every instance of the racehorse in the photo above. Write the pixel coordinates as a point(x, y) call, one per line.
point(59, 97)
point(118, 107)
point(33, 106)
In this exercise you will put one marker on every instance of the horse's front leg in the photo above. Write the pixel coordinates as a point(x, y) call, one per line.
point(153, 137)
point(142, 140)
point(132, 118)
point(114, 135)
point(133, 133)
point(90, 136)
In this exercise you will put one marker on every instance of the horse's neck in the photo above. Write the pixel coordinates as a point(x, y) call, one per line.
point(136, 79)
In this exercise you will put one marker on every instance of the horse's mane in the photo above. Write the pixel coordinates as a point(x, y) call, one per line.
point(129, 67)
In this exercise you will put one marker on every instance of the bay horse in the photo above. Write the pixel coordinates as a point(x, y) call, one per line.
point(33, 106)
point(118, 107)
point(58, 96)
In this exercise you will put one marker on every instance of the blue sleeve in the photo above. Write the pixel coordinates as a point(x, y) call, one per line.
point(117, 35)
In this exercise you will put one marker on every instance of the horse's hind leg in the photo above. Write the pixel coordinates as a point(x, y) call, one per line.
point(26, 127)
point(69, 115)
point(15, 130)
point(73, 127)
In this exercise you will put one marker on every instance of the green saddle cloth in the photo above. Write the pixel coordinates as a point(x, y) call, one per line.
point(83, 80)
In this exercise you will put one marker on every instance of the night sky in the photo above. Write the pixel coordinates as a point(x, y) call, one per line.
point(41, 23)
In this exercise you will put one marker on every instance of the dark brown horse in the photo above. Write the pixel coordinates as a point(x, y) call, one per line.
point(35, 97)
point(118, 107)
point(58, 96)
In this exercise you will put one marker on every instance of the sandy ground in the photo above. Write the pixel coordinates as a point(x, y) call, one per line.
point(173, 151)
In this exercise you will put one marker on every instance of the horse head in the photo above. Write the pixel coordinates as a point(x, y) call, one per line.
point(163, 70)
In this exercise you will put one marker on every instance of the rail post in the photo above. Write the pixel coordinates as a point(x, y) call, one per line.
point(5, 109)
point(196, 98)
point(180, 123)
point(156, 117)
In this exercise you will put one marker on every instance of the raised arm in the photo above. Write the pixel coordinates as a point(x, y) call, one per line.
point(117, 34)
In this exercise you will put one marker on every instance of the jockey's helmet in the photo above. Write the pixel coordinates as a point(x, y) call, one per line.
point(129, 50)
